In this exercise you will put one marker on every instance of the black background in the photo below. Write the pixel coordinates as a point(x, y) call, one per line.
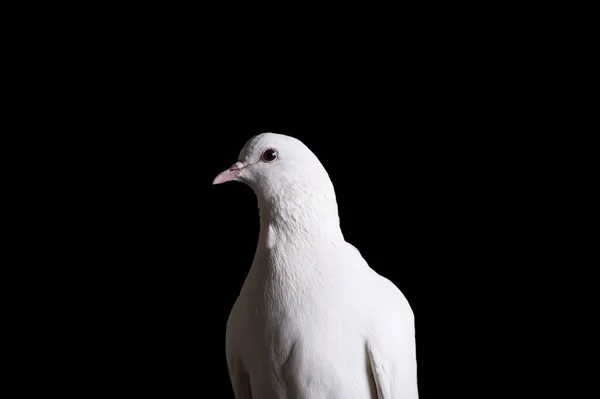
point(420, 141)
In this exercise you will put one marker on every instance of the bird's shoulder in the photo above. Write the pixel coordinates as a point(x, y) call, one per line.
point(383, 297)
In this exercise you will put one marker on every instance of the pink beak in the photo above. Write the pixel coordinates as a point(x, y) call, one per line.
point(230, 173)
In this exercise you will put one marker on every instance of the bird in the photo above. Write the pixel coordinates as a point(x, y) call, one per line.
point(312, 319)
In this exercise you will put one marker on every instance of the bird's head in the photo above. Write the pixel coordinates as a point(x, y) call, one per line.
point(275, 164)
point(293, 189)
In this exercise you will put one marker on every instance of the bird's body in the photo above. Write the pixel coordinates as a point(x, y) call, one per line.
point(312, 319)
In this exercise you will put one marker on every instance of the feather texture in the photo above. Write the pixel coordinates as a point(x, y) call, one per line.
point(312, 319)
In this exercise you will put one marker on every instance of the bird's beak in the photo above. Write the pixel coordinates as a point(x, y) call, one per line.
point(229, 174)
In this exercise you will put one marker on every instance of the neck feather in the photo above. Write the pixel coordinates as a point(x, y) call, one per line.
point(299, 219)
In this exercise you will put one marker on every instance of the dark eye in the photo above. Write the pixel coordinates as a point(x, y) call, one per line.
point(269, 155)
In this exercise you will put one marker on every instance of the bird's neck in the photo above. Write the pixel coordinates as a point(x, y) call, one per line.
point(293, 242)
point(297, 234)
point(300, 221)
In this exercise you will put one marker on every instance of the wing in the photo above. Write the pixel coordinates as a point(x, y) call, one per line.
point(391, 346)
point(394, 378)
point(382, 373)
point(239, 377)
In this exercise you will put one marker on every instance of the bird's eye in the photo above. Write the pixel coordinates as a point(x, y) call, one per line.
point(269, 155)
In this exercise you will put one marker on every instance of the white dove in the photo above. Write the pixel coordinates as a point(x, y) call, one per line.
point(312, 319)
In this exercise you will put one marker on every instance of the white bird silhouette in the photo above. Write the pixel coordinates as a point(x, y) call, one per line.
point(312, 319)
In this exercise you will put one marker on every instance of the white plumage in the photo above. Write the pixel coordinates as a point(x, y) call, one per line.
point(312, 319)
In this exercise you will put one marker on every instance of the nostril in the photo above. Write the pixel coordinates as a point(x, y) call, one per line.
point(237, 166)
